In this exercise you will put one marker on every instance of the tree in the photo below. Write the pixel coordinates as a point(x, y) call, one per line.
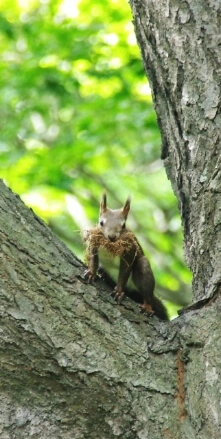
point(73, 363)
point(181, 56)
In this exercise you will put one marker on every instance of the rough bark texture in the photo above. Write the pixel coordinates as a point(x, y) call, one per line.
point(75, 365)
point(180, 45)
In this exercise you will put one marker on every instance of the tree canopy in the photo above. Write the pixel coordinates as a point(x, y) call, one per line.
point(77, 118)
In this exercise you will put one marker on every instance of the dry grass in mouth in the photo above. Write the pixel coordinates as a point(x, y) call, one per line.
point(126, 243)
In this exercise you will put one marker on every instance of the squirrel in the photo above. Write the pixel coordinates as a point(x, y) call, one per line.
point(112, 235)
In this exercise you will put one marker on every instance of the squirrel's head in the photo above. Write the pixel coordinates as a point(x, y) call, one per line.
point(113, 222)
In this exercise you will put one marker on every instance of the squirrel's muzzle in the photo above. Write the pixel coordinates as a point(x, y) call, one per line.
point(112, 238)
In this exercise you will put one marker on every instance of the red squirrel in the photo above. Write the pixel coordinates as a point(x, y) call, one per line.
point(112, 235)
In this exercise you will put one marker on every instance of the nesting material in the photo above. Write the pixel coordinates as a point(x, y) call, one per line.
point(126, 243)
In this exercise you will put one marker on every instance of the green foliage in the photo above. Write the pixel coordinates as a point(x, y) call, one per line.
point(77, 117)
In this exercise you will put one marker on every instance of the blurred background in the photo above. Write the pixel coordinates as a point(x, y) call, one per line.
point(77, 118)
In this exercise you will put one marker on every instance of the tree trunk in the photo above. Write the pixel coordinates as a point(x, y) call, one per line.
point(180, 45)
point(76, 365)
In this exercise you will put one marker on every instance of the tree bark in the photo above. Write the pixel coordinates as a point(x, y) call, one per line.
point(76, 365)
point(180, 45)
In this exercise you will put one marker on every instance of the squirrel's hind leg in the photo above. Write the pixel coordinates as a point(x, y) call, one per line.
point(144, 281)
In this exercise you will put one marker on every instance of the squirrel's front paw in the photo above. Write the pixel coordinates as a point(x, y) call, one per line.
point(118, 295)
point(89, 276)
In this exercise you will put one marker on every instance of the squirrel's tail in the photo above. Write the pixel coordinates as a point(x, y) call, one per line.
point(159, 309)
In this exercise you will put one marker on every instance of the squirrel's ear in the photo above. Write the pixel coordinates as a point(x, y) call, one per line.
point(126, 207)
point(103, 204)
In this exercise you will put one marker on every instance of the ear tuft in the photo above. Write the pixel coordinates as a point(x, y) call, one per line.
point(103, 204)
point(126, 207)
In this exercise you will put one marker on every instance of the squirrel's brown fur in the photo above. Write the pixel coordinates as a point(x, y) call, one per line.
point(111, 234)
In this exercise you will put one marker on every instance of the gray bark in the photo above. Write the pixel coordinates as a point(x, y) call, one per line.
point(180, 45)
point(75, 365)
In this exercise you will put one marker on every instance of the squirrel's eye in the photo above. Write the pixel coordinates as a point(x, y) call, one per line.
point(101, 223)
point(123, 226)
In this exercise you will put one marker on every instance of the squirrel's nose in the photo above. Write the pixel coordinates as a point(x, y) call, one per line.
point(112, 238)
